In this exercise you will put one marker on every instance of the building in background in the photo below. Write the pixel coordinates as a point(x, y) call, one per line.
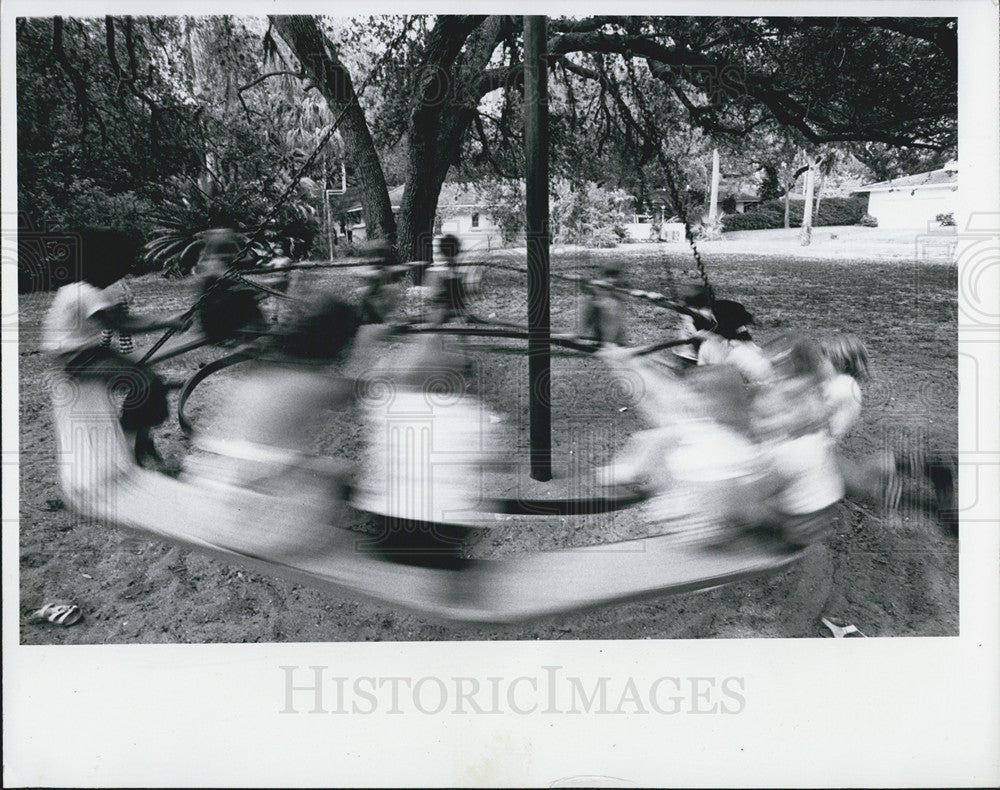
point(914, 201)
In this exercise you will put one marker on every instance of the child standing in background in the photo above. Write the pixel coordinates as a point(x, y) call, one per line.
point(603, 310)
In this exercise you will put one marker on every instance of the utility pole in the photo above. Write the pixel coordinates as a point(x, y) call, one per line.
point(713, 206)
point(536, 144)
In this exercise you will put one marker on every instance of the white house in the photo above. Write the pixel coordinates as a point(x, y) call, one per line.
point(356, 220)
point(461, 212)
point(743, 201)
point(913, 202)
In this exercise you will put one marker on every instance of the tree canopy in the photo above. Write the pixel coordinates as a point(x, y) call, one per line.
point(176, 108)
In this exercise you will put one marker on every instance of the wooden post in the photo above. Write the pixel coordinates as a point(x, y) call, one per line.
point(713, 206)
point(536, 144)
point(328, 220)
point(805, 235)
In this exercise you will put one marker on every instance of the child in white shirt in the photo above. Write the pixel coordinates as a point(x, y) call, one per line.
point(429, 442)
point(74, 330)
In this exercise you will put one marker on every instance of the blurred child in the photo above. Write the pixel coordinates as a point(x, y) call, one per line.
point(280, 281)
point(719, 336)
point(727, 341)
point(255, 466)
point(759, 462)
point(881, 478)
point(697, 462)
point(699, 318)
point(429, 442)
point(228, 307)
point(789, 420)
point(845, 367)
point(448, 299)
point(74, 331)
point(264, 434)
point(382, 293)
point(603, 308)
point(840, 363)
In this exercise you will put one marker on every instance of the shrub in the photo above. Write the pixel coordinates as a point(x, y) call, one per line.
point(179, 221)
point(868, 221)
point(709, 231)
point(506, 201)
point(771, 214)
point(753, 220)
point(584, 213)
point(946, 220)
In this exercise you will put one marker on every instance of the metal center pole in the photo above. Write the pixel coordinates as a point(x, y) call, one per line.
point(536, 143)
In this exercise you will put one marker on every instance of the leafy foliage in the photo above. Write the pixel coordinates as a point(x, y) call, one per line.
point(179, 221)
point(584, 213)
point(128, 108)
point(88, 142)
point(506, 199)
point(771, 214)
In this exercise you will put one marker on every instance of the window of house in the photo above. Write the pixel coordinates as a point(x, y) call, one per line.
point(475, 220)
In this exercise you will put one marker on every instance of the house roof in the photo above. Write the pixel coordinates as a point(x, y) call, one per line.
point(395, 199)
point(453, 193)
point(946, 176)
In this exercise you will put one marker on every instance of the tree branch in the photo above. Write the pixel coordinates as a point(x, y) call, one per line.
point(129, 81)
point(699, 67)
point(487, 153)
point(282, 73)
point(83, 102)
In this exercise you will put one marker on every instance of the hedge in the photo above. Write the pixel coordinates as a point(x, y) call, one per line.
point(771, 214)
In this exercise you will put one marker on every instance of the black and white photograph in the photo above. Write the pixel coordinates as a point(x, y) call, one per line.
point(340, 333)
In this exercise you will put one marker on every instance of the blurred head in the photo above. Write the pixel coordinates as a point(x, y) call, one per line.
point(106, 255)
point(732, 319)
point(380, 251)
point(795, 357)
point(612, 271)
point(222, 245)
point(449, 246)
point(322, 333)
point(787, 408)
point(695, 296)
point(847, 354)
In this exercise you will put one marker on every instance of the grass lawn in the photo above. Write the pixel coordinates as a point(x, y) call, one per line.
point(895, 576)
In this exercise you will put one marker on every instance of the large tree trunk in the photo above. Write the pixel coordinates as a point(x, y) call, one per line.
point(439, 125)
point(319, 59)
point(819, 197)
